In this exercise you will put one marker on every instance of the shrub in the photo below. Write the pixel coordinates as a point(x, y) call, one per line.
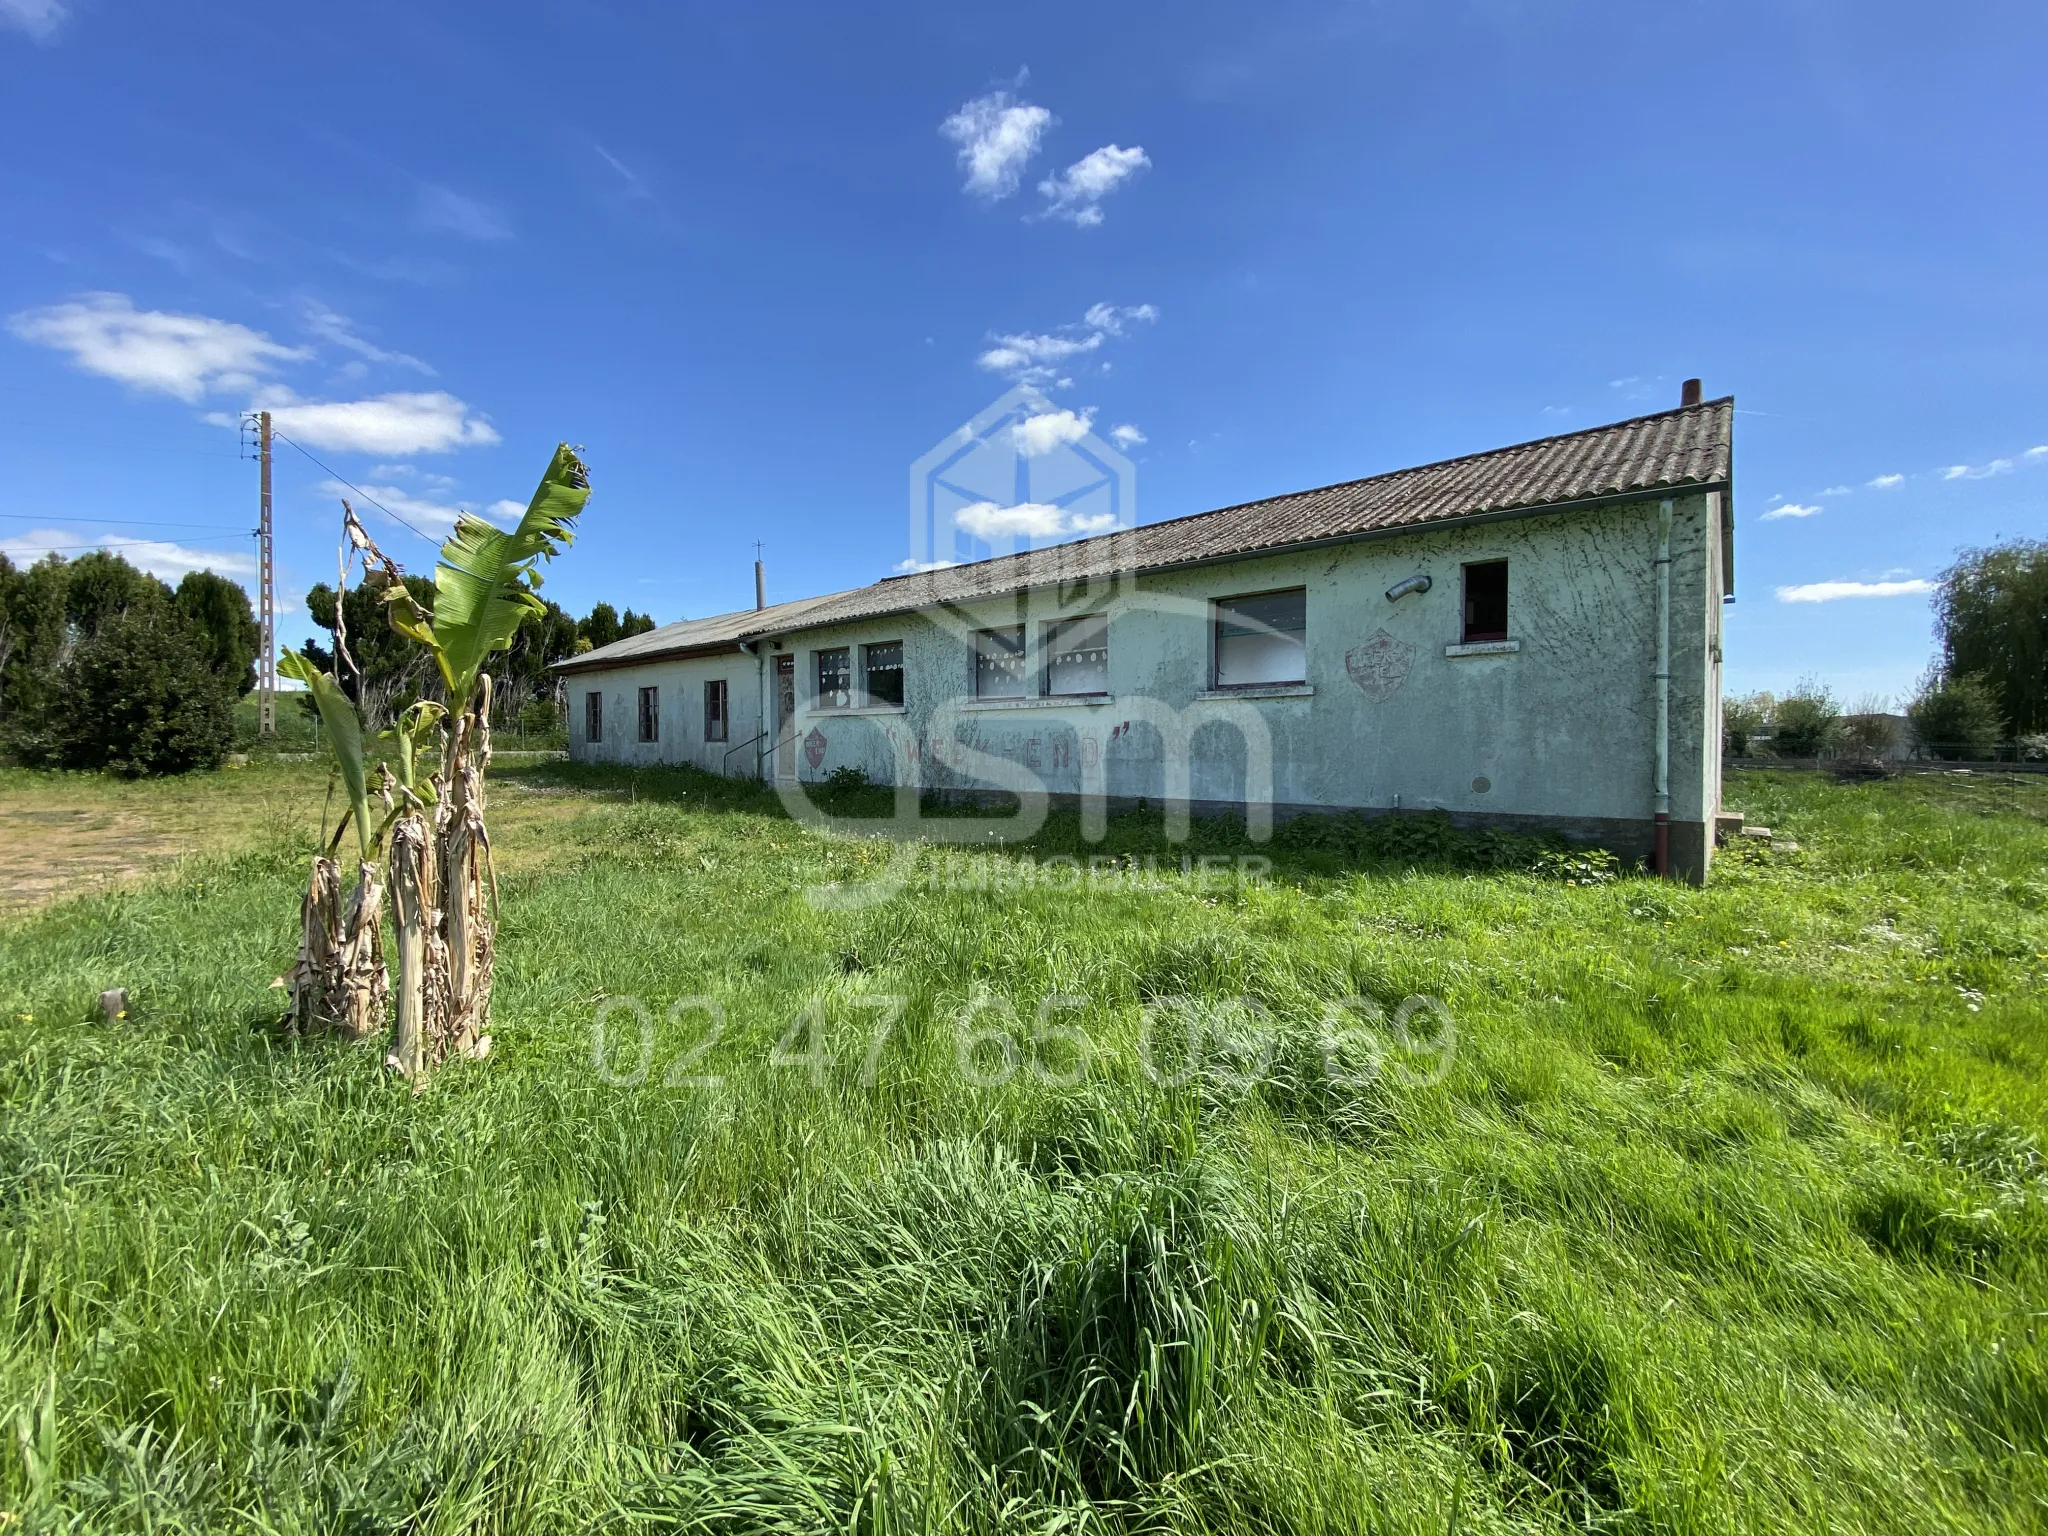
point(1742, 716)
point(139, 698)
point(1869, 730)
point(1955, 718)
point(1807, 721)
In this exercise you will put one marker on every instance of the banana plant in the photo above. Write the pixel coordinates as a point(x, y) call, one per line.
point(338, 980)
point(485, 584)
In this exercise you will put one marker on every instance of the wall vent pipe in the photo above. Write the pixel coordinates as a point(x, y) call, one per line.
point(1400, 589)
point(760, 587)
point(1689, 394)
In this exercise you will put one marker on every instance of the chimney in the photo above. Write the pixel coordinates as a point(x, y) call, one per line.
point(760, 587)
point(1690, 394)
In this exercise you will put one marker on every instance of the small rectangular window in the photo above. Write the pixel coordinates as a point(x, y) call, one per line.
point(650, 714)
point(1486, 601)
point(714, 710)
point(1262, 638)
point(882, 672)
point(835, 685)
point(999, 663)
point(1077, 656)
point(593, 717)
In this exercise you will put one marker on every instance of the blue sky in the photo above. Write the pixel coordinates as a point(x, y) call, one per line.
point(758, 259)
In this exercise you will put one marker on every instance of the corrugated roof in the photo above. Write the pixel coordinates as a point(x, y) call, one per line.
point(1692, 446)
point(719, 632)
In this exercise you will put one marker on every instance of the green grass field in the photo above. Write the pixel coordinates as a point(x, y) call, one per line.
point(1677, 1210)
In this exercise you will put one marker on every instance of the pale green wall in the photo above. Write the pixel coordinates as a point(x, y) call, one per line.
point(1561, 729)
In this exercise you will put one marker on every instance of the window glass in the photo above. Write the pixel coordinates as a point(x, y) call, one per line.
point(1486, 601)
point(882, 672)
point(835, 685)
point(1077, 655)
point(650, 714)
point(714, 710)
point(1262, 638)
point(999, 663)
point(593, 717)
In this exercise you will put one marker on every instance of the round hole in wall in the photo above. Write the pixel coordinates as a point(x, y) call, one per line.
point(1481, 785)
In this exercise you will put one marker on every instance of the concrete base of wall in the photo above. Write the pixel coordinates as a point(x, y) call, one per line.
point(1632, 840)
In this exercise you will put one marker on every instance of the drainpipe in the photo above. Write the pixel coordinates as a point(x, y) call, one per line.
point(1661, 820)
point(754, 650)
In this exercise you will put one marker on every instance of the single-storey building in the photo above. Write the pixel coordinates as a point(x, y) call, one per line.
point(1529, 638)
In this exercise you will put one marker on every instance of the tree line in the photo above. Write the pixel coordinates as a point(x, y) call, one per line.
point(1988, 684)
point(104, 666)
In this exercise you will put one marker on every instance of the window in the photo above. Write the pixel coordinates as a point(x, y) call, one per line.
point(1262, 638)
point(881, 669)
point(835, 687)
point(593, 717)
point(1486, 601)
point(714, 710)
point(650, 714)
point(1077, 655)
point(999, 663)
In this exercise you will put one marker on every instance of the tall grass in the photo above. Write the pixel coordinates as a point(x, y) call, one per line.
point(1711, 1211)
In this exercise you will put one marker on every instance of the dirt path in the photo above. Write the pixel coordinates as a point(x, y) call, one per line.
point(66, 834)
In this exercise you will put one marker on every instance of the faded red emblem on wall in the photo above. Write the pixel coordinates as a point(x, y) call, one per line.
point(814, 747)
point(1381, 665)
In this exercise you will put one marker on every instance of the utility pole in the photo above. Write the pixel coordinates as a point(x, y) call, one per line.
point(266, 660)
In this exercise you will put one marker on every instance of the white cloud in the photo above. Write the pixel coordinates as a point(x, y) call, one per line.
point(1886, 482)
point(1790, 509)
point(329, 326)
point(1038, 435)
point(1029, 519)
point(422, 509)
point(1076, 194)
point(158, 557)
point(997, 134)
point(1838, 490)
point(40, 19)
point(1834, 591)
point(442, 209)
point(386, 424)
point(1978, 471)
point(1127, 436)
point(1035, 357)
point(181, 355)
point(913, 567)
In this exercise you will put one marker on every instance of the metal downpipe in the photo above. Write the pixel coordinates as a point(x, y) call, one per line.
point(1661, 817)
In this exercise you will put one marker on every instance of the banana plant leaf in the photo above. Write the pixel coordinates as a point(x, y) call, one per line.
point(408, 739)
point(344, 737)
point(486, 581)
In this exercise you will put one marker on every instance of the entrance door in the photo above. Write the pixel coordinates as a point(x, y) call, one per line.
point(785, 717)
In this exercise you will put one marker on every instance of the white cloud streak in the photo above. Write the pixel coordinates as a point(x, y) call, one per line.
point(40, 19)
point(997, 134)
point(1790, 509)
point(1029, 519)
point(1076, 193)
point(441, 209)
point(1035, 357)
point(1886, 482)
point(421, 509)
point(157, 556)
point(337, 329)
point(1127, 436)
point(1835, 591)
point(1039, 435)
point(186, 356)
point(387, 425)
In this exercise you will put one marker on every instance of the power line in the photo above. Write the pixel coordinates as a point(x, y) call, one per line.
point(62, 549)
point(373, 501)
point(121, 522)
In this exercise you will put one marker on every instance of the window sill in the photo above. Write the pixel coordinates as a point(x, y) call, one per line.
point(1041, 701)
point(858, 709)
point(1484, 648)
point(1260, 691)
